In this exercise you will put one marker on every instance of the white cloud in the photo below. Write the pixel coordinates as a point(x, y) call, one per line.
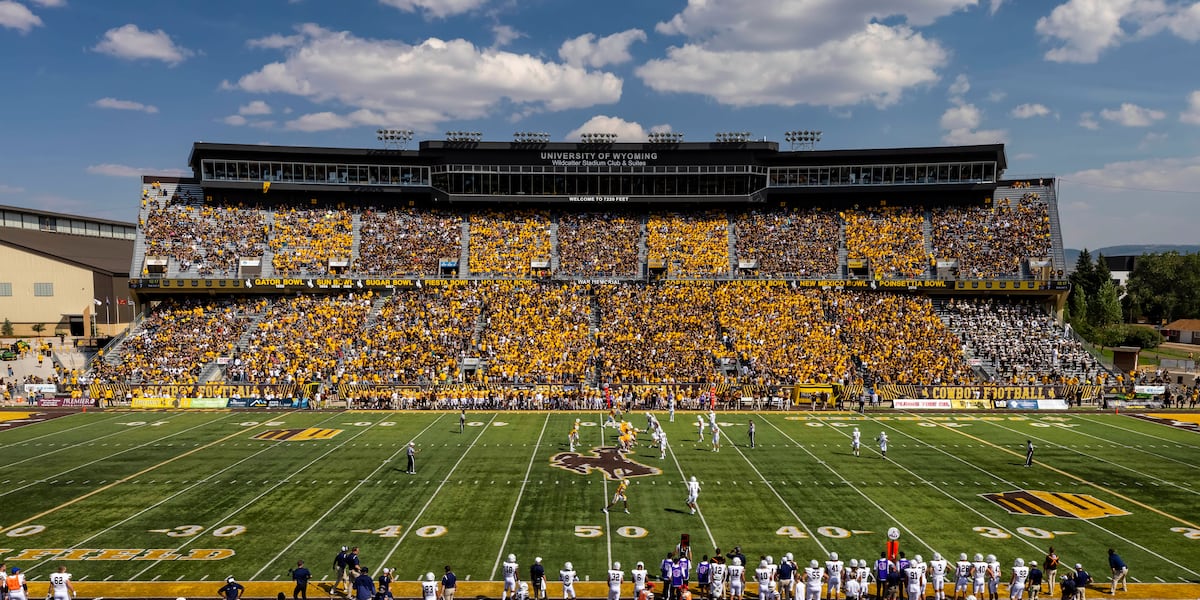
point(16, 16)
point(50, 3)
point(438, 9)
point(994, 6)
point(235, 120)
point(505, 35)
point(831, 53)
point(1028, 111)
point(960, 87)
point(1132, 115)
point(1024, 156)
point(1086, 28)
point(626, 131)
point(116, 104)
point(257, 107)
point(115, 170)
point(588, 51)
point(1192, 114)
point(1088, 120)
point(1151, 139)
point(1132, 202)
point(997, 95)
point(961, 124)
point(276, 41)
point(10, 189)
point(421, 85)
point(131, 43)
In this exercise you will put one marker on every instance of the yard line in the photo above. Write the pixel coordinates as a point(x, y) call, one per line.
point(157, 504)
point(449, 473)
point(258, 497)
point(1126, 429)
point(520, 493)
point(1067, 474)
point(844, 480)
point(52, 434)
point(704, 521)
point(1050, 444)
point(123, 479)
point(87, 443)
point(321, 518)
point(604, 481)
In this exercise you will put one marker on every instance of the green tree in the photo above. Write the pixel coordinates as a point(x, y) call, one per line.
point(1165, 287)
point(38, 328)
point(1077, 308)
point(1106, 306)
point(7, 329)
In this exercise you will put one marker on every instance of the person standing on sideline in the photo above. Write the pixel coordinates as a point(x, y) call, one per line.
point(384, 591)
point(411, 452)
point(537, 578)
point(449, 582)
point(60, 585)
point(751, 431)
point(882, 439)
point(1119, 571)
point(300, 575)
point(1082, 579)
point(693, 493)
point(429, 587)
point(1035, 579)
point(615, 577)
point(671, 408)
point(1050, 566)
point(232, 590)
point(364, 586)
point(1028, 453)
point(568, 578)
point(462, 420)
point(343, 573)
point(512, 574)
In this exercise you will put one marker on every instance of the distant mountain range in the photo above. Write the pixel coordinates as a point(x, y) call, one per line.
point(1071, 254)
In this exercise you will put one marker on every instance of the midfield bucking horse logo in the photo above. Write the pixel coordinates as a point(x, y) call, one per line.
point(607, 460)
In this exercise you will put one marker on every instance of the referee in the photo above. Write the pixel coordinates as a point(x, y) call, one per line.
point(1028, 453)
point(411, 451)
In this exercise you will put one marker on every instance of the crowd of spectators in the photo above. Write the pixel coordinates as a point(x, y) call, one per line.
point(407, 241)
point(991, 241)
point(304, 241)
point(657, 333)
point(417, 337)
point(1020, 343)
point(893, 238)
point(506, 242)
point(209, 239)
point(301, 338)
point(598, 244)
point(177, 339)
point(537, 333)
point(796, 242)
point(694, 244)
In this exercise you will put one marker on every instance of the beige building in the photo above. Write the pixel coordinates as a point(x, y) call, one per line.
point(68, 273)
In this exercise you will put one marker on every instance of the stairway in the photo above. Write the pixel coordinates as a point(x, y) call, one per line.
point(642, 252)
point(554, 244)
point(268, 256)
point(732, 241)
point(927, 233)
point(464, 251)
point(1049, 195)
point(356, 239)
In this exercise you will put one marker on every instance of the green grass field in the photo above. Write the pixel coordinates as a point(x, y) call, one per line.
point(162, 496)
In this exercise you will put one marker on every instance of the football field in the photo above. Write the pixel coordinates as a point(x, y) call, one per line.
point(198, 496)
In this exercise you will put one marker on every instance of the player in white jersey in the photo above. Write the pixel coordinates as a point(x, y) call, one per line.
point(615, 577)
point(856, 441)
point(766, 583)
point(993, 577)
point(864, 577)
point(853, 588)
point(716, 438)
point(962, 576)
point(693, 491)
point(638, 575)
point(717, 574)
point(1020, 574)
point(662, 444)
point(737, 579)
point(814, 576)
point(938, 568)
point(833, 575)
point(511, 571)
point(914, 580)
point(699, 428)
point(978, 575)
point(568, 578)
point(60, 584)
point(882, 439)
point(429, 587)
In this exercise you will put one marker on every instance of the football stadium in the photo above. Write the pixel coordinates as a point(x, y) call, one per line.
point(609, 352)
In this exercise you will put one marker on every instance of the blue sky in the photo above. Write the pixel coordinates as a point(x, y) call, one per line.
point(1103, 93)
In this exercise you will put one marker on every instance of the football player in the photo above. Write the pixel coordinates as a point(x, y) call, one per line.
point(568, 578)
point(639, 576)
point(737, 579)
point(962, 576)
point(1016, 585)
point(938, 568)
point(60, 584)
point(882, 439)
point(615, 577)
point(855, 441)
point(429, 587)
point(693, 491)
point(979, 570)
point(717, 575)
point(573, 436)
point(662, 444)
point(993, 577)
point(511, 571)
point(619, 496)
point(699, 428)
point(914, 580)
point(853, 589)
point(833, 575)
point(716, 438)
point(864, 577)
point(766, 585)
point(814, 576)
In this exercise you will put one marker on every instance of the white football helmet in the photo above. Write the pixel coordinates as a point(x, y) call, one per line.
point(1020, 562)
point(962, 556)
point(512, 558)
point(641, 565)
point(693, 479)
point(917, 559)
point(762, 564)
point(813, 563)
point(854, 563)
point(538, 560)
point(770, 559)
point(788, 556)
point(937, 556)
point(616, 566)
point(978, 557)
point(833, 556)
point(737, 562)
point(991, 558)
point(429, 576)
point(568, 566)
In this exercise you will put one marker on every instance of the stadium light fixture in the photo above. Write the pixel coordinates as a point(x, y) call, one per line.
point(394, 138)
point(597, 138)
point(802, 139)
point(735, 137)
point(666, 137)
point(531, 137)
point(463, 136)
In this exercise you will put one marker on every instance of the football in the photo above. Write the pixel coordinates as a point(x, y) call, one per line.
point(893, 533)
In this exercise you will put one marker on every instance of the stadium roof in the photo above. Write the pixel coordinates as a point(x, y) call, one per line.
point(110, 256)
point(57, 215)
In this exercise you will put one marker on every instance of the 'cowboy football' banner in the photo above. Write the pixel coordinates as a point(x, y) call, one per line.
point(888, 391)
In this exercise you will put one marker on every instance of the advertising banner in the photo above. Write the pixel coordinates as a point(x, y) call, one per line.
point(920, 404)
point(61, 402)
